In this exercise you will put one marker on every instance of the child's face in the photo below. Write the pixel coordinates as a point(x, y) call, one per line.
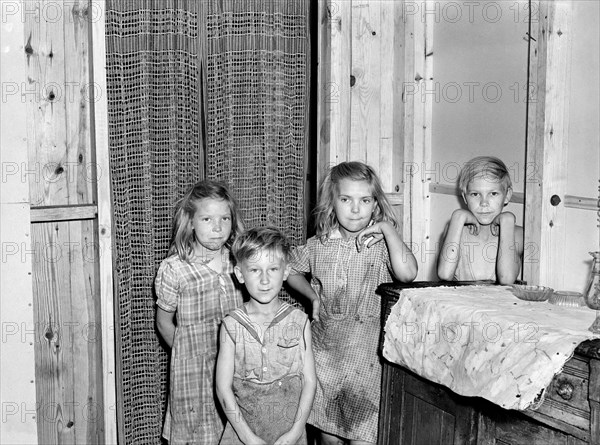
point(263, 275)
point(486, 197)
point(354, 206)
point(211, 223)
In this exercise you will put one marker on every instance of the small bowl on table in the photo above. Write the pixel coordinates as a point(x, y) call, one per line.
point(531, 293)
point(567, 299)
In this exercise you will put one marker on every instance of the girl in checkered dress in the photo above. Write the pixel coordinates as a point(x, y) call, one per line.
point(356, 248)
point(195, 290)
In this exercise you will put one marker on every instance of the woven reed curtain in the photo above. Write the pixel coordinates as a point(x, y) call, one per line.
point(155, 154)
point(253, 56)
point(256, 83)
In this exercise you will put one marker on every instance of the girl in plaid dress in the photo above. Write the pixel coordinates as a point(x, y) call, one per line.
point(356, 248)
point(195, 290)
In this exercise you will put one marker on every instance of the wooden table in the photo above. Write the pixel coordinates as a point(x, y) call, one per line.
point(417, 411)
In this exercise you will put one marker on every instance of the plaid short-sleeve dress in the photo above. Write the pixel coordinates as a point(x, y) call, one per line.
point(201, 298)
point(345, 340)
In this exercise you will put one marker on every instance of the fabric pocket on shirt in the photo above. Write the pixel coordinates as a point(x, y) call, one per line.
point(287, 351)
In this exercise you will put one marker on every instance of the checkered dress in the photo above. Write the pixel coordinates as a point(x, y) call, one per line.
point(201, 298)
point(345, 340)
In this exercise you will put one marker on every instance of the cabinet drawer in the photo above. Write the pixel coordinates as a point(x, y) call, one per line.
point(567, 396)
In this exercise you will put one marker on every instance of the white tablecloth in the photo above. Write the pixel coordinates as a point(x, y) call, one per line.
point(483, 341)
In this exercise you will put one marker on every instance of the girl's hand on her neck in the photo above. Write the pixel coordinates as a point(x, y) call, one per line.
point(372, 234)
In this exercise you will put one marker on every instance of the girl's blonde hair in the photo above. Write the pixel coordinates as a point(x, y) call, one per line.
point(325, 218)
point(182, 240)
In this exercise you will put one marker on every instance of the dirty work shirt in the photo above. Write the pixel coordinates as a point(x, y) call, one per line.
point(201, 298)
point(345, 340)
point(267, 378)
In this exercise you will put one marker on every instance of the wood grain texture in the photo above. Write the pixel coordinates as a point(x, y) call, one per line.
point(365, 83)
point(324, 93)
point(17, 357)
point(334, 82)
point(360, 73)
point(67, 332)
point(389, 77)
point(104, 231)
point(58, 87)
point(63, 213)
point(418, 34)
point(80, 90)
point(68, 329)
point(547, 143)
point(594, 395)
point(570, 201)
point(432, 414)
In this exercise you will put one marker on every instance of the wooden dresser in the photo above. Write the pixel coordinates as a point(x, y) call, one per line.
point(417, 411)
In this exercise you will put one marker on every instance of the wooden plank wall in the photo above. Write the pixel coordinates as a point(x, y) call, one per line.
point(64, 235)
point(373, 56)
point(547, 144)
point(17, 358)
point(100, 144)
point(360, 87)
point(418, 75)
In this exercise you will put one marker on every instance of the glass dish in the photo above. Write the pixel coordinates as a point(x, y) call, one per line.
point(567, 299)
point(531, 293)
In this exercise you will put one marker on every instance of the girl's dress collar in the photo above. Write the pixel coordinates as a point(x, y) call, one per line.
point(336, 234)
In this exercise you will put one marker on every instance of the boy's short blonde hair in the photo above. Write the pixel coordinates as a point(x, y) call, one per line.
point(489, 167)
point(249, 244)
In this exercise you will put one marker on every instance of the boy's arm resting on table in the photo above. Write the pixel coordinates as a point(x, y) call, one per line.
point(165, 323)
point(510, 247)
point(299, 283)
point(450, 250)
point(309, 387)
point(224, 385)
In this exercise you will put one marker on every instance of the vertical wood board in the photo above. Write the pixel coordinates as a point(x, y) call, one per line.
point(334, 90)
point(547, 146)
point(68, 330)
point(17, 354)
point(79, 88)
point(58, 93)
point(100, 145)
point(17, 373)
point(390, 76)
point(398, 114)
point(67, 333)
point(365, 83)
point(324, 95)
point(417, 132)
point(360, 67)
